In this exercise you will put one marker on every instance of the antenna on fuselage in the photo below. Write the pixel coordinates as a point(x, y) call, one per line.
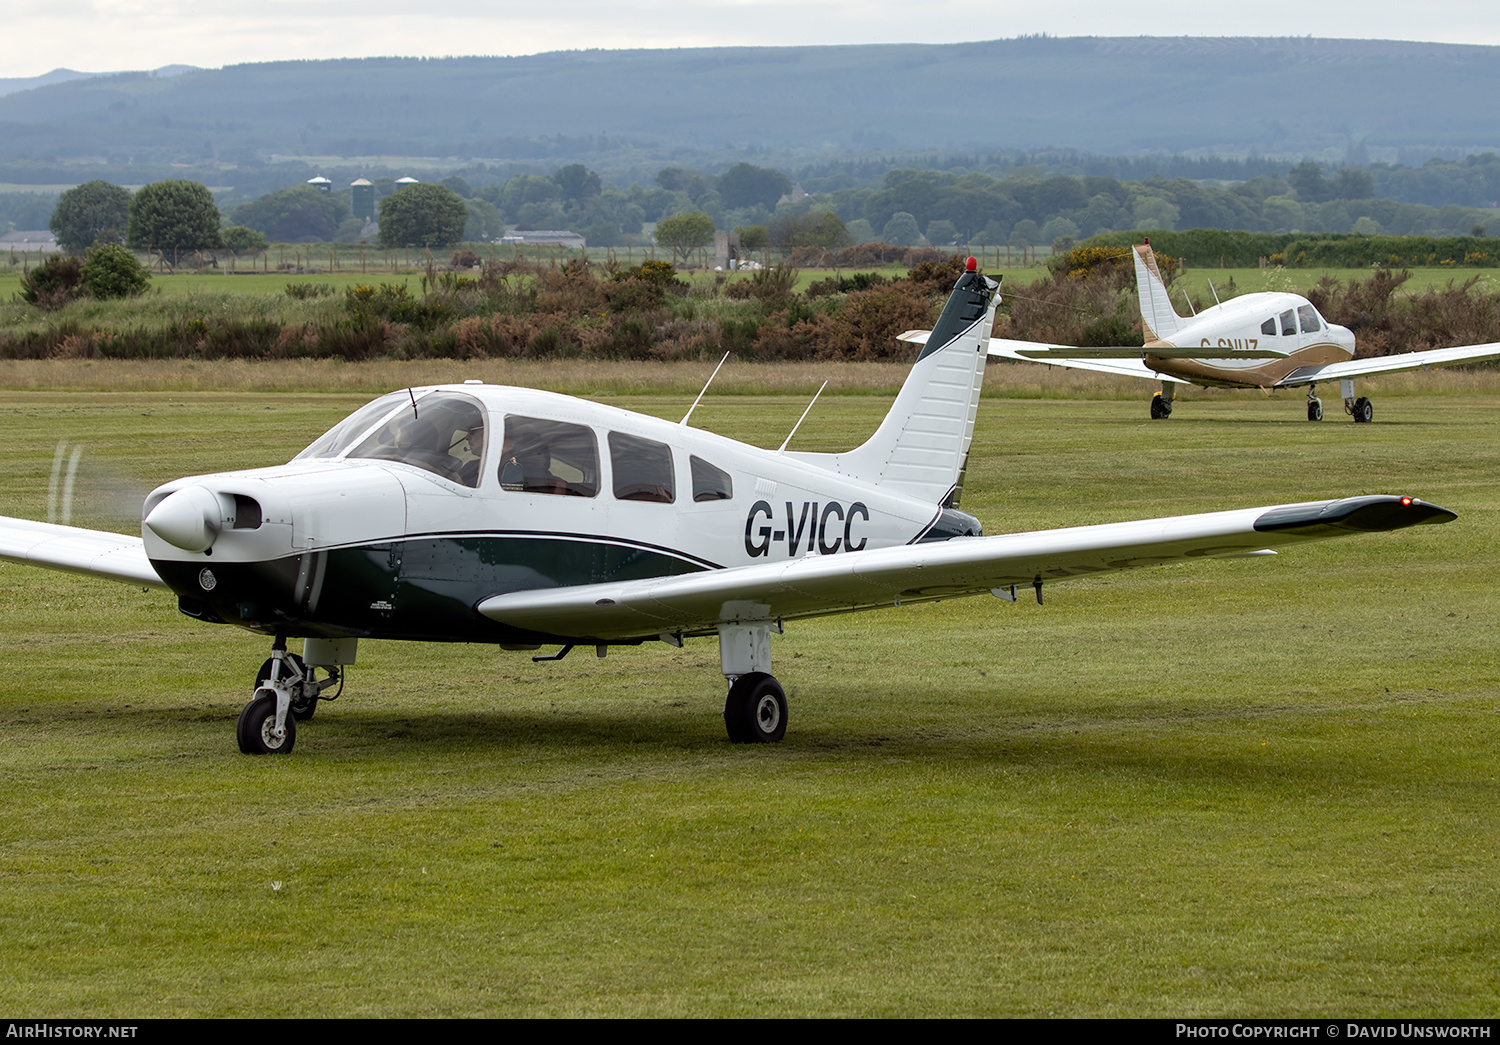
point(1215, 292)
point(1189, 301)
point(413, 402)
point(701, 394)
point(802, 418)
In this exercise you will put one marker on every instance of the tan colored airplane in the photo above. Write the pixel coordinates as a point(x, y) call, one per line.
point(1266, 340)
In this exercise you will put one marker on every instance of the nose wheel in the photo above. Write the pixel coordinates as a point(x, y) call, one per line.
point(286, 692)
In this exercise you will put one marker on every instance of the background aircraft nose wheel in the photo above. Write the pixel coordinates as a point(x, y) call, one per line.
point(755, 710)
point(256, 725)
point(1314, 409)
point(302, 706)
point(1160, 407)
point(1363, 411)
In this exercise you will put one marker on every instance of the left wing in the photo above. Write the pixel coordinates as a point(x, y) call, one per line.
point(113, 556)
point(824, 584)
point(1129, 365)
point(1307, 375)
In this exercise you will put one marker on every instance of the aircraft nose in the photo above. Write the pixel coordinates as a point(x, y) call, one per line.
point(189, 519)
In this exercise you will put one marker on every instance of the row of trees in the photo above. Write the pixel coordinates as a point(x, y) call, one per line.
point(182, 216)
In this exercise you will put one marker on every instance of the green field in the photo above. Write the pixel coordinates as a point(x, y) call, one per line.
point(1250, 788)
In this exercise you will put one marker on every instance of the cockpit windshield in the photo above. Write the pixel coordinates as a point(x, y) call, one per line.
point(443, 434)
point(338, 438)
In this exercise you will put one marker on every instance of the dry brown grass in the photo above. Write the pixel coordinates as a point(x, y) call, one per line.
point(601, 377)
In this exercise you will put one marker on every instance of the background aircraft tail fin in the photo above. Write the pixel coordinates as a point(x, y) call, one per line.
point(923, 444)
point(1161, 319)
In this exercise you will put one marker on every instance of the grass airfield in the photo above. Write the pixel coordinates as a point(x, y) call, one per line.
point(1253, 788)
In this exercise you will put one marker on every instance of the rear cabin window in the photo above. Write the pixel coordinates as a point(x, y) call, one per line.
point(442, 433)
point(1269, 327)
point(1288, 323)
point(710, 483)
point(1311, 321)
point(642, 469)
point(541, 456)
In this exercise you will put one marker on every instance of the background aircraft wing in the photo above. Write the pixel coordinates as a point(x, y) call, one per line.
point(825, 584)
point(1306, 375)
point(1035, 352)
point(114, 556)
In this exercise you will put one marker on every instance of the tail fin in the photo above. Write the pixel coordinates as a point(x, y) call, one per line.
point(1161, 319)
point(922, 446)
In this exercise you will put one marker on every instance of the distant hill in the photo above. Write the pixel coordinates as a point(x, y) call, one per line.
point(12, 84)
point(1233, 97)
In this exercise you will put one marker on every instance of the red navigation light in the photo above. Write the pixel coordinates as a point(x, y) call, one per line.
point(1406, 502)
point(971, 265)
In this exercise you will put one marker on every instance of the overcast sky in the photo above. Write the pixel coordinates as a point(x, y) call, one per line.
point(111, 35)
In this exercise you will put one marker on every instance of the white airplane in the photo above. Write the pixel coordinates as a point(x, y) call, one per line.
point(1266, 340)
point(483, 513)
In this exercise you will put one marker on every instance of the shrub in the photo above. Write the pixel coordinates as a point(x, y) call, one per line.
point(53, 283)
point(111, 271)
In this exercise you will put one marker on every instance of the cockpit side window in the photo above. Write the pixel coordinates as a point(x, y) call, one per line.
point(642, 469)
point(443, 434)
point(710, 483)
point(1311, 321)
point(1269, 327)
point(338, 438)
point(1288, 323)
point(541, 456)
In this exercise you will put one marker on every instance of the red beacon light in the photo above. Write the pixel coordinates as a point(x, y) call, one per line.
point(971, 265)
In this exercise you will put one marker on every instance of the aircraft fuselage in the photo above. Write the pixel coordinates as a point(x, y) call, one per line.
point(1278, 322)
point(353, 544)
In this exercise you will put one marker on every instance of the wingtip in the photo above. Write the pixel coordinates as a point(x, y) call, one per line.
point(1371, 514)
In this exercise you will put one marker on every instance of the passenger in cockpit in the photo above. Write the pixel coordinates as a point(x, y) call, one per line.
point(468, 473)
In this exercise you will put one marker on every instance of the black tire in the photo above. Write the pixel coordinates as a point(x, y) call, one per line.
point(303, 708)
point(1160, 408)
point(253, 730)
point(1364, 411)
point(1314, 410)
point(755, 710)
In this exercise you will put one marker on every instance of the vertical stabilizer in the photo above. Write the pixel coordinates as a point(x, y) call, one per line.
point(1161, 319)
point(922, 445)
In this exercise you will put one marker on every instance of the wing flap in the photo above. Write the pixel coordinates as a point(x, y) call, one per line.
point(98, 553)
point(816, 585)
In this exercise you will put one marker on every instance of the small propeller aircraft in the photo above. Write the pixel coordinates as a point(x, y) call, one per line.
point(1266, 340)
point(484, 513)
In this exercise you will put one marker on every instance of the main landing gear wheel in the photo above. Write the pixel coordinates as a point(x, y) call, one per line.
point(1315, 409)
point(303, 706)
point(755, 710)
point(256, 730)
point(1161, 407)
point(1363, 411)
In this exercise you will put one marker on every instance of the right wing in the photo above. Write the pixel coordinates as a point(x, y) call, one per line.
point(817, 585)
point(1306, 375)
point(98, 553)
